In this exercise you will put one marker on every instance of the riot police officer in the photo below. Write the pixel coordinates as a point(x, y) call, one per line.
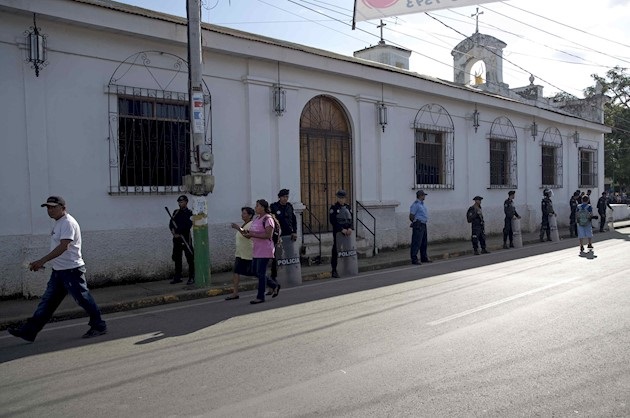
point(510, 213)
point(474, 216)
point(547, 209)
point(284, 213)
point(340, 217)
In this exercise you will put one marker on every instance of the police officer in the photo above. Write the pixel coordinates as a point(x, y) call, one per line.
point(510, 213)
point(474, 216)
point(284, 213)
point(547, 209)
point(340, 217)
point(419, 216)
point(602, 204)
point(573, 204)
point(180, 226)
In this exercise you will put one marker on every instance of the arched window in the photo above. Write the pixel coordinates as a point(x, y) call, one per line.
point(503, 161)
point(551, 158)
point(434, 144)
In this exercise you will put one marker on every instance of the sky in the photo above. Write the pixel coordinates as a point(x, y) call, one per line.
point(560, 42)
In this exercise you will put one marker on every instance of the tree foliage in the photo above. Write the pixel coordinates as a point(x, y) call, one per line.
point(616, 85)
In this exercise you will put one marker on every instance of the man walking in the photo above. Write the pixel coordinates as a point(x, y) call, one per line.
point(419, 216)
point(510, 213)
point(573, 204)
point(180, 226)
point(474, 216)
point(602, 204)
point(67, 276)
point(284, 213)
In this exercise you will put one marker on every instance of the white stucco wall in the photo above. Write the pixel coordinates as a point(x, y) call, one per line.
point(57, 140)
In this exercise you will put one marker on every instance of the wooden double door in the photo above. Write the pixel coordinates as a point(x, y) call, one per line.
point(325, 160)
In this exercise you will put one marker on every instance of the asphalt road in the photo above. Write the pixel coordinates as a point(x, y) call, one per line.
point(540, 331)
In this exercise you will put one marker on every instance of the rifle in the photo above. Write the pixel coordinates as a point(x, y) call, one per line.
point(183, 240)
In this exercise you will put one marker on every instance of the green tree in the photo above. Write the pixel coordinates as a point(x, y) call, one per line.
point(616, 85)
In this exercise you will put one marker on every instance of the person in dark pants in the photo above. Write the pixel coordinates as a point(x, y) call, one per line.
point(546, 207)
point(180, 226)
point(474, 216)
point(340, 217)
point(573, 204)
point(602, 204)
point(510, 213)
point(67, 276)
point(419, 216)
point(284, 213)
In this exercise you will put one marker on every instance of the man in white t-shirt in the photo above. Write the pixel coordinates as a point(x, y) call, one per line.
point(67, 276)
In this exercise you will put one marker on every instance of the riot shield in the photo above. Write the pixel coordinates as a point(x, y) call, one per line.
point(288, 259)
point(516, 231)
point(347, 264)
point(553, 226)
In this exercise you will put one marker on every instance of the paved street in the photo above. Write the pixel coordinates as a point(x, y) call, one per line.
point(544, 334)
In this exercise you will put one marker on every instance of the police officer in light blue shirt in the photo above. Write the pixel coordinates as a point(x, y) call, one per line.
point(419, 216)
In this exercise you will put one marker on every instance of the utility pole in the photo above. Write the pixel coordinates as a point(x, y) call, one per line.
point(200, 181)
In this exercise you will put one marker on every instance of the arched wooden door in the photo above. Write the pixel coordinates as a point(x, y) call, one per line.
point(325, 159)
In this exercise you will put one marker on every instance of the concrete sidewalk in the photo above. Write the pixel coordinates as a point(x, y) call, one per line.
point(141, 295)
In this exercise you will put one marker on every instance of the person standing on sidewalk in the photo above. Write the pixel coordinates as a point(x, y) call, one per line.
point(261, 232)
point(510, 213)
point(284, 213)
point(180, 226)
point(546, 207)
point(67, 276)
point(474, 216)
point(340, 217)
point(419, 216)
point(602, 204)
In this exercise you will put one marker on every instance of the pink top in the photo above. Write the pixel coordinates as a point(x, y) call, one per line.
point(263, 247)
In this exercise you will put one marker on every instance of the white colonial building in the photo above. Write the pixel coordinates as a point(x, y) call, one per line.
point(105, 124)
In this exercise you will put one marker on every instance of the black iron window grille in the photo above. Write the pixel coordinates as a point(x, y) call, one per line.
point(151, 152)
point(434, 148)
point(551, 159)
point(503, 157)
point(588, 167)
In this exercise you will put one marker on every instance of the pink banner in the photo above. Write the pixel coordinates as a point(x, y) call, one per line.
point(379, 9)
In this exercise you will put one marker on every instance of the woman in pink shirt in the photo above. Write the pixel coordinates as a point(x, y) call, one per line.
point(261, 231)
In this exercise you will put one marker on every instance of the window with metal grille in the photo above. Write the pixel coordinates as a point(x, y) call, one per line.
point(434, 144)
point(153, 144)
point(551, 159)
point(503, 160)
point(588, 167)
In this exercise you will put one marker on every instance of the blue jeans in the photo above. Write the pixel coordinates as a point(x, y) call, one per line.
point(259, 267)
point(61, 283)
point(419, 241)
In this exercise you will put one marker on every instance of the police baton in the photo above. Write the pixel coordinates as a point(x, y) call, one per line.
point(183, 240)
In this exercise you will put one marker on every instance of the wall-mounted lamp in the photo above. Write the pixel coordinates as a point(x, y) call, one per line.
point(279, 96)
point(36, 43)
point(534, 129)
point(382, 115)
point(279, 100)
point(576, 138)
point(475, 119)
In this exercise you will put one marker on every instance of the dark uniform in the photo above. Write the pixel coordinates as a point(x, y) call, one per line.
point(288, 223)
point(180, 224)
point(547, 209)
point(602, 204)
point(573, 204)
point(510, 213)
point(474, 216)
point(340, 217)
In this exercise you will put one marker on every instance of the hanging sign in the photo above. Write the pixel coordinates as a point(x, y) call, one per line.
point(198, 113)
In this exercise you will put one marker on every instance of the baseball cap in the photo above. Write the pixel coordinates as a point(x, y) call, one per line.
point(420, 193)
point(477, 198)
point(54, 201)
point(283, 192)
